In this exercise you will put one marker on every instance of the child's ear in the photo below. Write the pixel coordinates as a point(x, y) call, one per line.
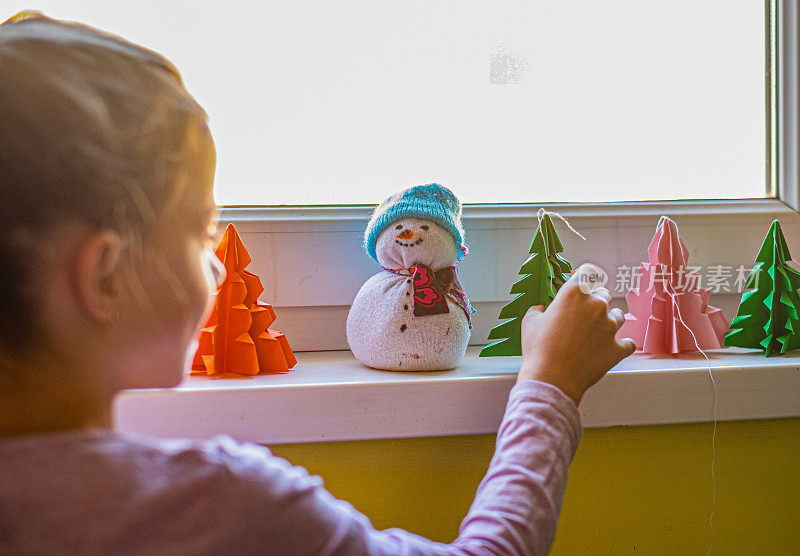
point(99, 269)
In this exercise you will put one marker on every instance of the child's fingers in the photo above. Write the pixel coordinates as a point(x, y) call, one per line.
point(617, 316)
point(603, 294)
point(585, 269)
point(534, 310)
point(626, 347)
point(589, 278)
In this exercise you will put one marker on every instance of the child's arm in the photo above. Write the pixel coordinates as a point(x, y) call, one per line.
point(518, 502)
point(566, 349)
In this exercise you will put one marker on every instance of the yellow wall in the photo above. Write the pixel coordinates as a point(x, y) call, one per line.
point(631, 490)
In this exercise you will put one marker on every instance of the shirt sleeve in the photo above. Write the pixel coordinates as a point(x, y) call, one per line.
point(514, 512)
point(518, 502)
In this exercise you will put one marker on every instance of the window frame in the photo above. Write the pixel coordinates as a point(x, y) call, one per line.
point(785, 85)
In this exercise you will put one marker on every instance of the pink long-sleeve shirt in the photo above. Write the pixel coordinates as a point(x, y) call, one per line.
point(101, 492)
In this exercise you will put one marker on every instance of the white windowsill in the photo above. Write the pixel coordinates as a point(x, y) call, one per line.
point(329, 396)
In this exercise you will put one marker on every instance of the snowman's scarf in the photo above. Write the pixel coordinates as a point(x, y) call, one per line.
point(432, 288)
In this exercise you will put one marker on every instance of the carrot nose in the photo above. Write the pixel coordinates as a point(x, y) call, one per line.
point(405, 234)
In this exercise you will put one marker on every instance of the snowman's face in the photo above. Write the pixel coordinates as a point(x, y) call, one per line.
point(415, 241)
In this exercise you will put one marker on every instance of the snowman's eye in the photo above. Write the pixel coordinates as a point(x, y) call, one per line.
point(424, 227)
point(398, 227)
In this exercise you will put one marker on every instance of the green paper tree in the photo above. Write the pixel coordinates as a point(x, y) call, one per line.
point(769, 314)
point(543, 274)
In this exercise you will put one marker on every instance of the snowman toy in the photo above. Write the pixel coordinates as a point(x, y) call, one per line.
point(413, 315)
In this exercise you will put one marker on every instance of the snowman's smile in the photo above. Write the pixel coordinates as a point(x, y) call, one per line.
point(410, 244)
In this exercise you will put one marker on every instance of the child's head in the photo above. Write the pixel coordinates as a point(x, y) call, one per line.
point(106, 170)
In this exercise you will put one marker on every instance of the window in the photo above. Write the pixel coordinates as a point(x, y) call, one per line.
point(320, 103)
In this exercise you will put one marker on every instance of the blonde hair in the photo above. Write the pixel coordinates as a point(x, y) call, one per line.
point(95, 130)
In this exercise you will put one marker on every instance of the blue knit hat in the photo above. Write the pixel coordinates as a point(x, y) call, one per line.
point(432, 202)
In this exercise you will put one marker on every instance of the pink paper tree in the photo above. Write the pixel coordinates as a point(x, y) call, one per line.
point(668, 309)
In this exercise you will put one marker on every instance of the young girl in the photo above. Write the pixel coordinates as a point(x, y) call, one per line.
point(106, 206)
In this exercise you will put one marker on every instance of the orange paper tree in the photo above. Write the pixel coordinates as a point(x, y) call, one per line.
point(237, 338)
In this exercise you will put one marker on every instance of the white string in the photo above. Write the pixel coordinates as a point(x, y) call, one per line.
point(714, 416)
point(542, 212)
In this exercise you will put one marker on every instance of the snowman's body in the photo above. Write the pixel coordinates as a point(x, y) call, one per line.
point(382, 330)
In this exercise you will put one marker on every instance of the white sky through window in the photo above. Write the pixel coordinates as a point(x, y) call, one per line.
point(345, 102)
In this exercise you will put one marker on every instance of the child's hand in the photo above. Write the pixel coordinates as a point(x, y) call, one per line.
point(571, 345)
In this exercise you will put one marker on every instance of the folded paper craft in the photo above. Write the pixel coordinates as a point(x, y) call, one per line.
point(769, 314)
point(237, 338)
point(669, 312)
point(544, 273)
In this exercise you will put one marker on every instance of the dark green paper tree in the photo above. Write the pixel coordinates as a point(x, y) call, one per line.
point(769, 314)
point(544, 273)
